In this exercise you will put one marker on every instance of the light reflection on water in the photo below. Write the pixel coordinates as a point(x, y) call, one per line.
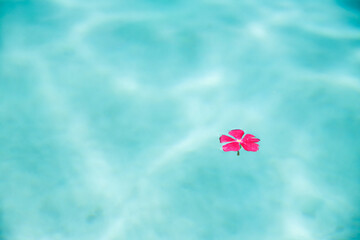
point(111, 113)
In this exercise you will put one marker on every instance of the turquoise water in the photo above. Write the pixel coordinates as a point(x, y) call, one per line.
point(110, 114)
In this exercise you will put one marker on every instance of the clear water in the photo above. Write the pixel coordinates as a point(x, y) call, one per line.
point(110, 113)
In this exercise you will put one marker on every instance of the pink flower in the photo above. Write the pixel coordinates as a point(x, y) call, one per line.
point(249, 142)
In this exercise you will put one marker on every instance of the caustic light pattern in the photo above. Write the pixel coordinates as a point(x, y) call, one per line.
point(249, 142)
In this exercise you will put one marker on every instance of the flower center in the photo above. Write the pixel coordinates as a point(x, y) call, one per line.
point(238, 140)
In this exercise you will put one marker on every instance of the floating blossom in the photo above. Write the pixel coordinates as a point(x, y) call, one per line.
point(249, 142)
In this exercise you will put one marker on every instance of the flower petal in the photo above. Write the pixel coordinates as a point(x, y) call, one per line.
point(225, 138)
point(253, 147)
point(237, 133)
point(250, 138)
point(234, 146)
point(249, 143)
